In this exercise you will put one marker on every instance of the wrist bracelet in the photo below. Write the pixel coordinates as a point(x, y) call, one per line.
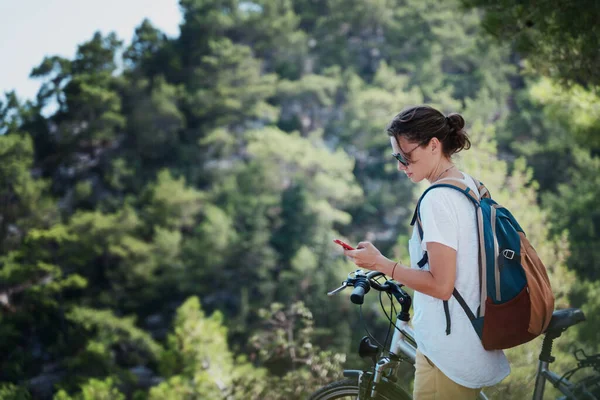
point(394, 269)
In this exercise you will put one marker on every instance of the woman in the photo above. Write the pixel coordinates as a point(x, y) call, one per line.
point(454, 365)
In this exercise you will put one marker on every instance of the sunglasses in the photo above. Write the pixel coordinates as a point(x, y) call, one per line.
point(403, 159)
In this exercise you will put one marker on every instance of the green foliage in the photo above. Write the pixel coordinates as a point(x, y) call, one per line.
point(155, 121)
point(197, 360)
point(105, 345)
point(170, 203)
point(148, 42)
point(119, 175)
point(179, 388)
point(112, 330)
point(23, 199)
point(577, 110)
point(297, 223)
point(547, 34)
point(288, 157)
point(574, 210)
point(8, 391)
point(91, 101)
point(288, 341)
point(271, 29)
point(438, 46)
point(31, 309)
point(191, 346)
point(217, 81)
point(58, 71)
point(285, 344)
point(303, 101)
point(94, 389)
point(97, 55)
point(564, 125)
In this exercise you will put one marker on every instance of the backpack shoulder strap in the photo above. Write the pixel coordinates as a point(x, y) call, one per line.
point(452, 183)
point(483, 192)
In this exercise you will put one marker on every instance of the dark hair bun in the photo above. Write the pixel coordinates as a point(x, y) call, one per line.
point(456, 122)
point(458, 139)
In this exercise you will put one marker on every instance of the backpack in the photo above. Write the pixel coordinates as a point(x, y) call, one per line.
point(516, 302)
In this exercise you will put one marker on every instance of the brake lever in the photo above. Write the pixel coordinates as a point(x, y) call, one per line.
point(344, 285)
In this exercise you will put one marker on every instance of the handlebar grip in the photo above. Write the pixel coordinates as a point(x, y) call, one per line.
point(358, 294)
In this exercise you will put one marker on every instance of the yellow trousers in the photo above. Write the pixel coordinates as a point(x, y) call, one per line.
point(432, 384)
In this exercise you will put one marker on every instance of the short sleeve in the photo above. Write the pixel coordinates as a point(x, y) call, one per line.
point(439, 219)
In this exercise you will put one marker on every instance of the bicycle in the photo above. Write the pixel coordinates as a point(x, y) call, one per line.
point(381, 381)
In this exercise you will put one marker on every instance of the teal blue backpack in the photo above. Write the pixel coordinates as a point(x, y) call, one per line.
point(516, 301)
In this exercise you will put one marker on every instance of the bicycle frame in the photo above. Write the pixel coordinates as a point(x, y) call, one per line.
point(562, 383)
point(400, 344)
point(543, 375)
point(401, 347)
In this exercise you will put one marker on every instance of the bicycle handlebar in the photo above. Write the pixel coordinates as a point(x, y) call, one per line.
point(360, 289)
point(363, 282)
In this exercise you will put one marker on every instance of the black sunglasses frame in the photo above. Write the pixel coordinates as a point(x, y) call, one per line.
point(402, 159)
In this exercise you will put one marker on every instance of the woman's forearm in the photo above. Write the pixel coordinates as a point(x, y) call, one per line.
point(419, 280)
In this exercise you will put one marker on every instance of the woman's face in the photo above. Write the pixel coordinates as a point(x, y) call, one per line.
point(419, 158)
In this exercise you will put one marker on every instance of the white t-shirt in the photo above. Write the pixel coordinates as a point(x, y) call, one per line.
point(448, 217)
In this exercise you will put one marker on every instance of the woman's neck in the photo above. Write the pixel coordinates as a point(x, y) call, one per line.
point(443, 170)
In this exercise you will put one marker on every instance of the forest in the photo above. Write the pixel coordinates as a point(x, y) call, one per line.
point(168, 204)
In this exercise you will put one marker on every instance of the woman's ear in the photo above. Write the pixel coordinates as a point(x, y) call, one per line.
point(434, 143)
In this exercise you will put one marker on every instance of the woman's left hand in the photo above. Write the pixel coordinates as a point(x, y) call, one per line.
point(365, 256)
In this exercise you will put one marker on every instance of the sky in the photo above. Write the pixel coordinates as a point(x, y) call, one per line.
point(33, 29)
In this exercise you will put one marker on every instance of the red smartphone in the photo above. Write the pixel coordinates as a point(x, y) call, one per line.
point(344, 245)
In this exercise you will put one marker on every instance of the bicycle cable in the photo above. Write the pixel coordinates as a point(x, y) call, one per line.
point(387, 335)
point(362, 318)
point(393, 311)
point(389, 318)
point(391, 308)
